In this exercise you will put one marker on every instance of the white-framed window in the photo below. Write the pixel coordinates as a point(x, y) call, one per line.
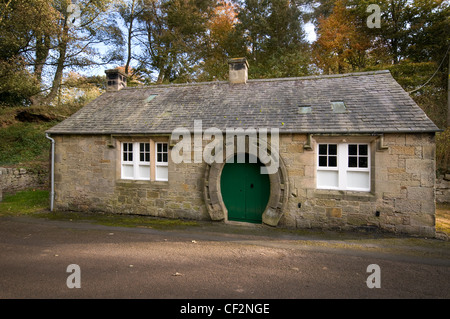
point(135, 160)
point(327, 169)
point(343, 166)
point(161, 161)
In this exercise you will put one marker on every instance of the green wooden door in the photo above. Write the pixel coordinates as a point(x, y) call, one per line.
point(245, 192)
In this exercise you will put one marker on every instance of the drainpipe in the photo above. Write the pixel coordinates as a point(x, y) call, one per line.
point(52, 192)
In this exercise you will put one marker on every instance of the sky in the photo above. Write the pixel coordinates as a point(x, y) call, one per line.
point(310, 33)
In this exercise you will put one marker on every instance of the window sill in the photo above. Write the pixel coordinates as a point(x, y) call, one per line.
point(344, 195)
point(141, 182)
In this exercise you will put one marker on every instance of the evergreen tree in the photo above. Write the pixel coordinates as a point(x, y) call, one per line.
point(273, 34)
point(174, 30)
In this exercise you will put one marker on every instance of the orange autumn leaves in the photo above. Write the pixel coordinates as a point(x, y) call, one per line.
point(341, 46)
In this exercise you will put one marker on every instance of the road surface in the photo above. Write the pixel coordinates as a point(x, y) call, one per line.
point(204, 262)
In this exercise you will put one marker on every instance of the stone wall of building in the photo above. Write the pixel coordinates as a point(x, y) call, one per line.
point(87, 178)
point(402, 197)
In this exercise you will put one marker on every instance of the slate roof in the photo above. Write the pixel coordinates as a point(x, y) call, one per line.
point(375, 103)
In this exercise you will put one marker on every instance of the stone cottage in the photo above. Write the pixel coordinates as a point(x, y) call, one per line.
point(334, 152)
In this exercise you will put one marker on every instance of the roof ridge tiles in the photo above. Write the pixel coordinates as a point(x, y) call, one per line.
point(301, 78)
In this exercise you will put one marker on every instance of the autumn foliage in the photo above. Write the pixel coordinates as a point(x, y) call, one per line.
point(341, 46)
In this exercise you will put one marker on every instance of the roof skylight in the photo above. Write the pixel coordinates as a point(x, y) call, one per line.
point(304, 109)
point(338, 107)
point(151, 97)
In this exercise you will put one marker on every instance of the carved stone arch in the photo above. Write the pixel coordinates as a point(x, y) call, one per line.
point(278, 198)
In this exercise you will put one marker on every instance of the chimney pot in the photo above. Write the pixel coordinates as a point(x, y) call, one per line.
point(238, 70)
point(116, 79)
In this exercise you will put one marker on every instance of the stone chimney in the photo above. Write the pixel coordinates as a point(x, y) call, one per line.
point(116, 80)
point(238, 70)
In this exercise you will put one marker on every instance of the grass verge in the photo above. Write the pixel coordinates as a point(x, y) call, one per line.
point(24, 202)
point(36, 202)
point(443, 218)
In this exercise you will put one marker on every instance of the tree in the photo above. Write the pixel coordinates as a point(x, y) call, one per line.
point(272, 31)
point(429, 41)
point(79, 89)
point(173, 32)
point(16, 82)
point(220, 43)
point(129, 11)
point(413, 30)
point(22, 23)
point(340, 44)
point(73, 46)
point(38, 33)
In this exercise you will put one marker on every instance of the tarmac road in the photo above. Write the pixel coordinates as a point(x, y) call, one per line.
point(215, 262)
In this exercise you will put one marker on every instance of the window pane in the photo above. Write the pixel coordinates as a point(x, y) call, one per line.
point(363, 161)
point(127, 171)
point(323, 149)
point(327, 179)
point(125, 157)
point(130, 147)
point(165, 157)
point(353, 149)
point(352, 161)
point(159, 157)
point(323, 161)
point(125, 147)
point(159, 147)
point(332, 161)
point(332, 149)
point(358, 180)
point(363, 149)
point(144, 171)
point(144, 154)
point(130, 157)
point(162, 173)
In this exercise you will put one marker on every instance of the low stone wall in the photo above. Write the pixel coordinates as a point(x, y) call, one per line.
point(16, 179)
point(443, 189)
